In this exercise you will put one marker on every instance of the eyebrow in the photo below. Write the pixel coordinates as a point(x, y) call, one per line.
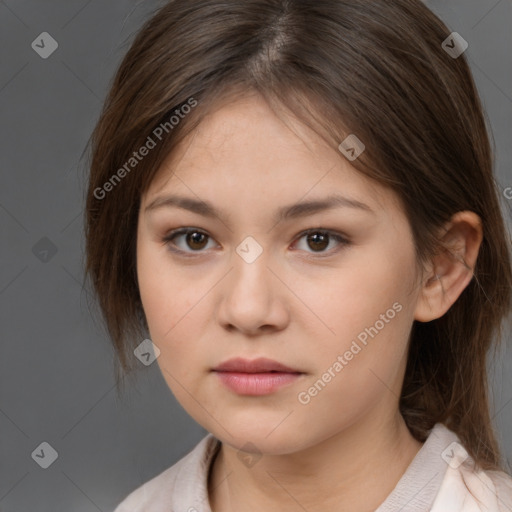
point(293, 211)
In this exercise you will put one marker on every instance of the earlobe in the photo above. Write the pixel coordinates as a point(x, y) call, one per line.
point(452, 268)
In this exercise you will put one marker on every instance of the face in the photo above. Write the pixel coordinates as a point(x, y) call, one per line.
point(329, 292)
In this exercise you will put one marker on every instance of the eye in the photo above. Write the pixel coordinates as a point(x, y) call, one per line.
point(196, 240)
point(318, 239)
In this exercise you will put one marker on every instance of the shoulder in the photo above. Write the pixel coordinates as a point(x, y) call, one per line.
point(463, 485)
point(182, 482)
point(503, 486)
point(466, 488)
point(490, 490)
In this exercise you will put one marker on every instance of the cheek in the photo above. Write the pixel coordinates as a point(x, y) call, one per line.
point(352, 298)
point(366, 309)
point(170, 301)
point(173, 317)
point(161, 288)
point(352, 377)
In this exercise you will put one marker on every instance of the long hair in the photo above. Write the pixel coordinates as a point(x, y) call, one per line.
point(373, 68)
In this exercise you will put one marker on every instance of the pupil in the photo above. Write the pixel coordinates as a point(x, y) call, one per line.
point(314, 238)
point(193, 237)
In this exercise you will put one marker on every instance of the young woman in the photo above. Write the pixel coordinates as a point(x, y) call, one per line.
point(292, 207)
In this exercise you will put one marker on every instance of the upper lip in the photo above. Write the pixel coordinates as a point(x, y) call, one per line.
point(259, 365)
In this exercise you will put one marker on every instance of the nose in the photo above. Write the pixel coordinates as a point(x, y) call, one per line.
point(253, 298)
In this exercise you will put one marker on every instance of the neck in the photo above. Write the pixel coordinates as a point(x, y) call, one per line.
point(337, 469)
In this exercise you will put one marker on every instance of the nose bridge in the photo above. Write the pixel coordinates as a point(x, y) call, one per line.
point(250, 250)
point(250, 267)
point(249, 298)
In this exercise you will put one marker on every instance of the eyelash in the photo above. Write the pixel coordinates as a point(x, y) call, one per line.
point(168, 241)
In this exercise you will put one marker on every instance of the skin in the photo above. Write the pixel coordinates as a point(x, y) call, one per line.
point(298, 303)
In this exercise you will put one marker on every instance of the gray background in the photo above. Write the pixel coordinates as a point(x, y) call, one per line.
point(57, 383)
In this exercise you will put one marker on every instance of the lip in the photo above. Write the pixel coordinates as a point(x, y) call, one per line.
point(260, 376)
point(260, 365)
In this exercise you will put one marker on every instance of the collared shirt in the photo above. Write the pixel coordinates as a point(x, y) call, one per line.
point(440, 478)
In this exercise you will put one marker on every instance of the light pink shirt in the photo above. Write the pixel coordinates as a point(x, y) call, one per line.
point(440, 478)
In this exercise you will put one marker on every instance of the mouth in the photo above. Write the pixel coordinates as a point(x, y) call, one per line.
point(257, 377)
point(260, 365)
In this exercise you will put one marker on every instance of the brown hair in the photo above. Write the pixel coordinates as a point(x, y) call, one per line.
point(369, 67)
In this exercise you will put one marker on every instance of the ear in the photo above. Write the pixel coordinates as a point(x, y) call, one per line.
point(452, 269)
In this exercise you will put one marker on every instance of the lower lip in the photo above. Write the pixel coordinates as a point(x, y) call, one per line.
point(256, 383)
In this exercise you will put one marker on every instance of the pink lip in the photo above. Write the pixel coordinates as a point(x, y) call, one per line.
point(258, 377)
point(259, 365)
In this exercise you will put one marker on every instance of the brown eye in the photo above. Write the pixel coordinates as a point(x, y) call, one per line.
point(194, 241)
point(318, 241)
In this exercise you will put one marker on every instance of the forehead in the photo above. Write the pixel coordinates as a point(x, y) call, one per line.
point(243, 149)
